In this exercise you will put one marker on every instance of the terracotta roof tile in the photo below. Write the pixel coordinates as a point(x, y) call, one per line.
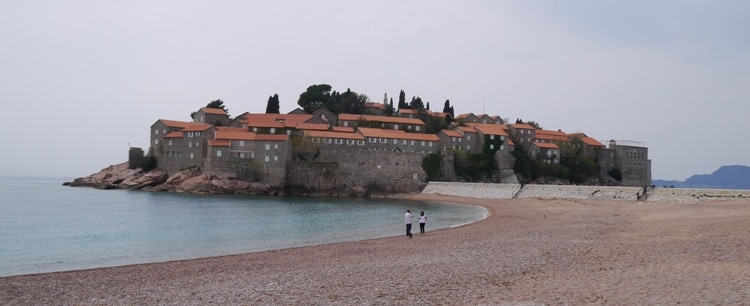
point(468, 129)
point(213, 111)
point(523, 126)
point(374, 105)
point(347, 129)
point(175, 123)
point(543, 145)
point(489, 128)
point(551, 135)
point(233, 135)
point(312, 126)
point(265, 124)
point(396, 134)
point(197, 127)
point(174, 135)
point(462, 116)
point(451, 133)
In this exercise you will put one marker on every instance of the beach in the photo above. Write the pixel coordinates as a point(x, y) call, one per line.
point(526, 252)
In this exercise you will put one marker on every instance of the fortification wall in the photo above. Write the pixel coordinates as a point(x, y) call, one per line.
point(377, 170)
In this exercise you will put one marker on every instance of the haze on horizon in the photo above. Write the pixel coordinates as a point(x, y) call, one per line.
point(84, 80)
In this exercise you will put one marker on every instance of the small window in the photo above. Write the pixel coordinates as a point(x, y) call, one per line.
point(197, 144)
point(339, 141)
point(255, 129)
point(492, 146)
point(412, 142)
point(267, 159)
point(383, 140)
point(326, 140)
point(417, 128)
point(361, 142)
point(190, 144)
point(276, 146)
point(430, 144)
point(468, 137)
point(268, 146)
point(170, 142)
point(492, 137)
point(273, 130)
point(192, 155)
point(275, 158)
point(395, 141)
point(156, 132)
point(242, 154)
point(241, 143)
point(423, 143)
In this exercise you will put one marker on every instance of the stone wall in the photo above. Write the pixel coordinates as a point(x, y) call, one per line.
point(337, 170)
point(509, 191)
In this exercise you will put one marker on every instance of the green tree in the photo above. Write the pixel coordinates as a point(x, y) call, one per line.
point(402, 100)
point(273, 105)
point(348, 102)
point(416, 103)
point(315, 97)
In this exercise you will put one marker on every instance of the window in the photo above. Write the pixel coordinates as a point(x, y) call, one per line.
point(502, 147)
point(339, 141)
point(273, 130)
point(412, 142)
point(404, 141)
point(492, 146)
point(197, 144)
point(170, 142)
point(361, 142)
point(423, 143)
point(164, 131)
point(268, 146)
point(395, 126)
point(190, 144)
point(156, 141)
point(346, 123)
point(156, 132)
point(383, 140)
point(241, 143)
point(468, 137)
point(417, 128)
point(326, 140)
point(468, 147)
point(276, 146)
point(192, 155)
point(267, 159)
point(430, 144)
point(242, 154)
point(350, 141)
point(395, 141)
point(255, 129)
point(371, 139)
point(492, 137)
point(275, 158)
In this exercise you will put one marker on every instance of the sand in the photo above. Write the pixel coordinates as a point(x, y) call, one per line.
point(527, 252)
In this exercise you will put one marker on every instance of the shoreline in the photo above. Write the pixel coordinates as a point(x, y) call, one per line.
point(524, 251)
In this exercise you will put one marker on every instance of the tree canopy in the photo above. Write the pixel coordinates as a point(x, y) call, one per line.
point(273, 105)
point(320, 96)
point(315, 97)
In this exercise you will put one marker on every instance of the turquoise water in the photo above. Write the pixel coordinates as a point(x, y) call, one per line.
point(47, 227)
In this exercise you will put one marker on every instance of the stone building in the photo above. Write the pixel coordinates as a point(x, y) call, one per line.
point(631, 158)
point(384, 122)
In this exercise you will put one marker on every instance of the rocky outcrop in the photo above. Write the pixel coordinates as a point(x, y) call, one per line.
point(119, 176)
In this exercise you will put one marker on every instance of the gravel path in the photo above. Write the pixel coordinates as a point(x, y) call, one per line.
point(528, 252)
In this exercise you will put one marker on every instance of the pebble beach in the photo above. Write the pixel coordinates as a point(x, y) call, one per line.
point(528, 251)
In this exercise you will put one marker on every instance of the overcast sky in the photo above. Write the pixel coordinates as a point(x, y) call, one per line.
point(81, 81)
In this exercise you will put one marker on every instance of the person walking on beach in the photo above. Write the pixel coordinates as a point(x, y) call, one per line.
point(407, 217)
point(422, 221)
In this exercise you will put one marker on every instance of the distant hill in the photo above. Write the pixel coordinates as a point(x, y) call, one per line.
point(726, 177)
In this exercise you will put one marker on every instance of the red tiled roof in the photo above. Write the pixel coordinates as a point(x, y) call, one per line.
point(384, 119)
point(523, 126)
point(437, 114)
point(230, 129)
point(551, 135)
point(213, 111)
point(218, 143)
point(329, 134)
point(174, 135)
point(347, 129)
point(452, 133)
point(468, 129)
point(174, 123)
point(543, 145)
point(396, 134)
point(489, 128)
point(462, 116)
point(197, 127)
point(407, 111)
point(265, 124)
point(592, 142)
point(312, 126)
point(233, 135)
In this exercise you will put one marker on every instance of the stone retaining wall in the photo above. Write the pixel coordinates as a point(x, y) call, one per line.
point(510, 191)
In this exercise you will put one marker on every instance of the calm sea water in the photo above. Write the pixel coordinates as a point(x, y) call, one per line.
point(47, 227)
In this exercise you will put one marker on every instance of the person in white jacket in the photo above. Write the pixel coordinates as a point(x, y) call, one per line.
point(407, 218)
point(422, 221)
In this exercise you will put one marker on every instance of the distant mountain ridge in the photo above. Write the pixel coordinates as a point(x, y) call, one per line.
point(726, 177)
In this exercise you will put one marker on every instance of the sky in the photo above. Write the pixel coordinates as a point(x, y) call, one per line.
point(82, 81)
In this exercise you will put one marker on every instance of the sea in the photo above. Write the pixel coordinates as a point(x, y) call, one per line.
point(47, 227)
